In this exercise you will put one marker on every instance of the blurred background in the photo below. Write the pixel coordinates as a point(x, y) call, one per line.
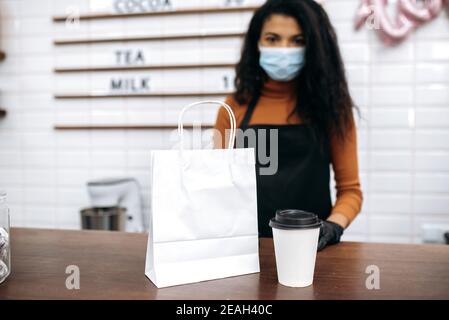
point(89, 87)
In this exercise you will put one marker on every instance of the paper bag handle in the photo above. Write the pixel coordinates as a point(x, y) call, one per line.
point(228, 109)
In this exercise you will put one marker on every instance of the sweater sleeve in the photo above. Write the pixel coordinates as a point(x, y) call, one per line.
point(345, 165)
point(222, 125)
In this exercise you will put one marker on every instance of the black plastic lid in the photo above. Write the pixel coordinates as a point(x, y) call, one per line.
point(295, 219)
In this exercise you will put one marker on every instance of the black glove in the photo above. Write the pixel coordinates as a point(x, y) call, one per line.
point(330, 233)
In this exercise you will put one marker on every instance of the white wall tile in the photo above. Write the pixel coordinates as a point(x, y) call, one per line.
point(108, 28)
point(68, 177)
point(432, 95)
point(390, 117)
point(73, 159)
point(37, 120)
point(73, 196)
point(30, 8)
point(433, 204)
point(36, 101)
point(401, 53)
point(68, 217)
point(431, 182)
point(40, 195)
point(432, 161)
point(72, 140)
point(437, 30)
point(390, 239)
point(435, 118)
point(10, 44)
point(39, 177)
point(36, 83)
point(393, 74)
point(360, 95)
point(383, 96)
point(392, 138)
point(391, 182)
point(11, 26)
point(37, 44)
point(35, 26)
point(432, 51)
point(138, 159)
point(341, 11)
point(432, 139)
point(9, 141)
point(10, 8)
point(37, 141)
point(102, 172)
point(395, 226)
point(106, 139)
point(39, 159)
point(108, 159)
point(390, 203)
point(357, 74)
point(66, 31)
point(39, 216)
point(15, 195)
point(432, 72)
point(10, 177)
point(346, 33)
point(355, 52)
point(220, 22)
point(141, 140)
point(10, 159)
point(391, 161)
point(223, 50)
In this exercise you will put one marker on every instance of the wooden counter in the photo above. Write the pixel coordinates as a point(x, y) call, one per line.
point(112, 267)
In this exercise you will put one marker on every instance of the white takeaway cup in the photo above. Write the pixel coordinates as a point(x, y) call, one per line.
point(295, 236)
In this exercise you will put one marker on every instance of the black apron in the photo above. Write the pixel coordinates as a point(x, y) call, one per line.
point(303, 174)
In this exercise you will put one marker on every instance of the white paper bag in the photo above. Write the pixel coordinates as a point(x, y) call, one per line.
point(203, 222)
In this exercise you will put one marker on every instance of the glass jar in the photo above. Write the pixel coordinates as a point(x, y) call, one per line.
point(5, 248)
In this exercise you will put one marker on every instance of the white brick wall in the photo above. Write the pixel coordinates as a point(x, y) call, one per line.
point(403, 93)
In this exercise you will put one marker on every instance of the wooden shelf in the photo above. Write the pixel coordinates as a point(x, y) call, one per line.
point(159, 13)
point(147, 67)
point(149, 38)
point(127, 127)
point(141, 95)
point(2, 113)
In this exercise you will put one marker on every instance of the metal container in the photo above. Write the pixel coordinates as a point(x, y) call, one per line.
point(110, 218)
point(119, 192)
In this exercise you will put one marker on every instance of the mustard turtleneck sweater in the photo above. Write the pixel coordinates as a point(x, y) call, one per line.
point(276, 102)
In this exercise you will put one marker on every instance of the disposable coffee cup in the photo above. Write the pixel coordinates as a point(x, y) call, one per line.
point(295, 236)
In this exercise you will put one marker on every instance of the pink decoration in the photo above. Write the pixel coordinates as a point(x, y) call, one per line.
point(429, 10)
point(410, 15)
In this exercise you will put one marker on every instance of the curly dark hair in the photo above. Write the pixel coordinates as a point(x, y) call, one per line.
point(323, 100)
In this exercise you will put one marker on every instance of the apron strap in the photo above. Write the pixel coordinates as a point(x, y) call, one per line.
point(249, 111)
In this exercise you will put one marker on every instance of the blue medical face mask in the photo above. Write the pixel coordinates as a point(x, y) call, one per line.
point(282, 64)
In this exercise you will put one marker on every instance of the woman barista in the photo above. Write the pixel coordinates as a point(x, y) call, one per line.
point(291, 78)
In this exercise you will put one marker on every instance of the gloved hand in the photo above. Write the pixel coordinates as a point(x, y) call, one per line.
point(330, 233)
